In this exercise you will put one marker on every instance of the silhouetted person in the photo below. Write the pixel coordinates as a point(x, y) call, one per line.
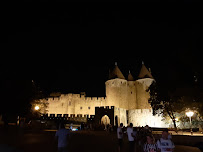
point(82, 126)
point(165, 144)
point(135, 138)
point(63, 136)
point(120, 136)
point(131, 138)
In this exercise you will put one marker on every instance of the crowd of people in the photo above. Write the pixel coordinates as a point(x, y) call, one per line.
point(141, 139)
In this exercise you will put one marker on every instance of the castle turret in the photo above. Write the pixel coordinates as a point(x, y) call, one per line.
point(144, 72)
point(116, 73)
point(116, 88)
point(142, 84)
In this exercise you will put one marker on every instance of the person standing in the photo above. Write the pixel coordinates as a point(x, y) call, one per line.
point(135, 138)
point(165, 144)
point(63, 136)
point(131, 137)
point(120, 136)
point(150, 145)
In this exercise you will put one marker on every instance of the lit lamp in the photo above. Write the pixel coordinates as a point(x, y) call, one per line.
point(36, 107)
point(190, 114)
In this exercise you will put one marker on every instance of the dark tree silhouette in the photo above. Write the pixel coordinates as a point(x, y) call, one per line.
point(35, 100)
point(172, 103)
point(163, 102)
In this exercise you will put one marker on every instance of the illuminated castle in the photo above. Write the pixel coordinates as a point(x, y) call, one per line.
point(126, 101)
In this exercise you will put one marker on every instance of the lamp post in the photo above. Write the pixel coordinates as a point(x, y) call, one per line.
point(190, 114)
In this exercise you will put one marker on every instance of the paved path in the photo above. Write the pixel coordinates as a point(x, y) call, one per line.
point(43, 141)
point(179, 148)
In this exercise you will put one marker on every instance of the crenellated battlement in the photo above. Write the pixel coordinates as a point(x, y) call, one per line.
point(76, 96)
point(95, 98)
point(105, 107)
point(141, 111)
point(66, 117)
point(53, 99)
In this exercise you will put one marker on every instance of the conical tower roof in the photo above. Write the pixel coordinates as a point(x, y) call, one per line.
point(130, 77)
point(144, 72)
point(116, 73)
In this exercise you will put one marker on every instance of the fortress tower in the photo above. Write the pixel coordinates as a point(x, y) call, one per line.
point(128, 93)
point(129, 96)
point(116, 89)
point(145, 79)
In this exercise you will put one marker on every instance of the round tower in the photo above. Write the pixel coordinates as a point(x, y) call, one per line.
point(142, 84)
point(116, 89)
point(116, 93)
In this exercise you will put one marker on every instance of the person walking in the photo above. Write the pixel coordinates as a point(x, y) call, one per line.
point(120, 136)
point(131, 137)
point(165, 144)
point(63, 136)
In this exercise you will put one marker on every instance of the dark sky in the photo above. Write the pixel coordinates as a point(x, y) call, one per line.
point(72, 51)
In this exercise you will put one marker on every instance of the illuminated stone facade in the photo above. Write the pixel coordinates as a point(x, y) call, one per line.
point(128, 97)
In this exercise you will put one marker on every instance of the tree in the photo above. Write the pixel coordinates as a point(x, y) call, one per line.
point(174, 104)
point(38, 99)
point(41, 104)
point(190, 104)
point(163, 102)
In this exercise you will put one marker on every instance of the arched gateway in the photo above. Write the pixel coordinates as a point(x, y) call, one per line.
point(105, 120)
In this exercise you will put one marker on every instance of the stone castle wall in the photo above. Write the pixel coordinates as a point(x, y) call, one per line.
point(142, 95)
point(121, 114)
point(74, 104)
point(131, 95)
point(143, 117)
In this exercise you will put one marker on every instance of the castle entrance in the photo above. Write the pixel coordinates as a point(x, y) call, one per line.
point(104, 116)
point(105, 120)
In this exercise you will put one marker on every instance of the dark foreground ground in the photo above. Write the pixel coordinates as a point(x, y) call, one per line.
point(14, 139)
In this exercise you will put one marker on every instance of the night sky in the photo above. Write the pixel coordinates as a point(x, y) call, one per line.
point(72, 51)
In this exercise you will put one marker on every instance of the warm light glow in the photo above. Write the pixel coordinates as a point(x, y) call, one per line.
point(189, 113)
point(36, 107)
point(74, 129)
